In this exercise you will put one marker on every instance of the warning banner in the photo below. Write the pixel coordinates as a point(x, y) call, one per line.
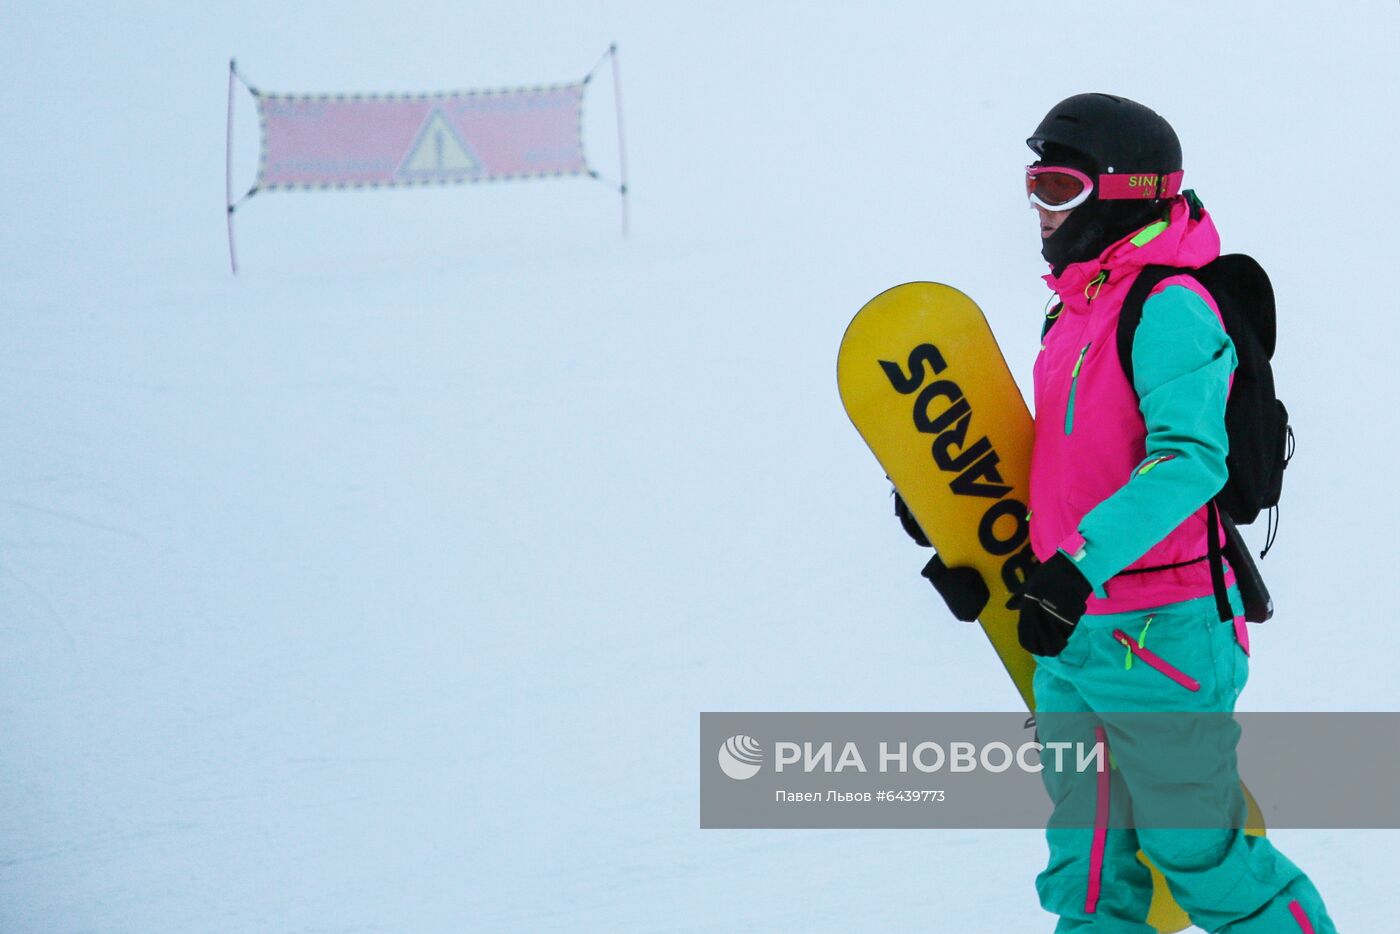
point(339, 141)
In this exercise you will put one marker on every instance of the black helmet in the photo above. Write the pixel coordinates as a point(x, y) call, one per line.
point(1119, 135)
point(1101, 134)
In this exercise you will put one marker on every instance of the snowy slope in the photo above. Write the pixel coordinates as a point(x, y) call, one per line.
point(380, 588)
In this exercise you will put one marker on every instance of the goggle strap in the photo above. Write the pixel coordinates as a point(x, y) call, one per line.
point(1141, 186)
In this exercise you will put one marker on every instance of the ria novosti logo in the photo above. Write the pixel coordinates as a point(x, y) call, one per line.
point(740, 757)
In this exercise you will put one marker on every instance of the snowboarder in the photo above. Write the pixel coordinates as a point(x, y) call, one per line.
point(1121, 613)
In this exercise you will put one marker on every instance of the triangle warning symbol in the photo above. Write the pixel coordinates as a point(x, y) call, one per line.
point(438, 153)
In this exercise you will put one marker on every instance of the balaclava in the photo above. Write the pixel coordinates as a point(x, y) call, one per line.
point(1096, 224)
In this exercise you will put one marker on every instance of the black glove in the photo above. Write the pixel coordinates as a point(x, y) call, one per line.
point(1052, 602)
point(906, 519)
point(962, 588)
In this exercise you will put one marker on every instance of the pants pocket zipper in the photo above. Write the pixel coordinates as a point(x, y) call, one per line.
point(1153, 660)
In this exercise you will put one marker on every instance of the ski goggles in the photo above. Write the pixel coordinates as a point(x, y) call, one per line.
point(1061, 188)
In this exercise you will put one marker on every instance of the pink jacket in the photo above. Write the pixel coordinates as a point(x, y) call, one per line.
point(1120, 475)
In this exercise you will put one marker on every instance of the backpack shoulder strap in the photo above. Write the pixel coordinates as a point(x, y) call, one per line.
point(1130, 315)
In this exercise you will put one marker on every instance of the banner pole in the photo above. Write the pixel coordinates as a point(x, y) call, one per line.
point(621, 145)
point(228, 172)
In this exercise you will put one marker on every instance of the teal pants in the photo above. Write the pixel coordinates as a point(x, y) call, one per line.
point(1190, 663)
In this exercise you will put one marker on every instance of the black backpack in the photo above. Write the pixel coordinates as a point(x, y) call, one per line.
point(1256, 422)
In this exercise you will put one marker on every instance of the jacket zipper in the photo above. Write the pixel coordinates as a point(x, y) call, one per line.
point(1073, 386)
point(1153, 660)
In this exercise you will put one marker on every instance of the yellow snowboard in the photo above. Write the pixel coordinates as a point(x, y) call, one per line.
point(925, 384)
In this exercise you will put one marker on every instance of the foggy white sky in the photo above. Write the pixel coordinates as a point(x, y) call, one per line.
point(380, 588)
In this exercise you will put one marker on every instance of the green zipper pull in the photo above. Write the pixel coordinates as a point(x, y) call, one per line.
point(1142, 637)
point(1141, 641)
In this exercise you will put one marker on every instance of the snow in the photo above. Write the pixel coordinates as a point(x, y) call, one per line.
point(380, 588)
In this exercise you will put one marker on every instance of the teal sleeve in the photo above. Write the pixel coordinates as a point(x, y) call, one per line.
point(1182, 361)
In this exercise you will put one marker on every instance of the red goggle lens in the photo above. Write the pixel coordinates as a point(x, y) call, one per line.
point(1054, 187)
